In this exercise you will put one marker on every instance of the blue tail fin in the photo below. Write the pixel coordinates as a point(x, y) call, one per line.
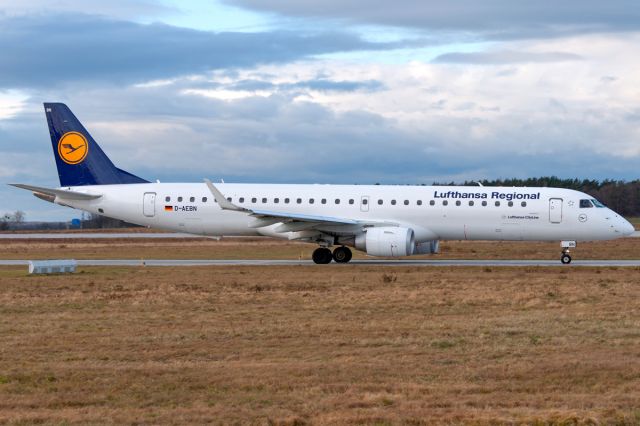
point(79, 159)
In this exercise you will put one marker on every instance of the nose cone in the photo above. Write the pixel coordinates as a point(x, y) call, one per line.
point(626, 228)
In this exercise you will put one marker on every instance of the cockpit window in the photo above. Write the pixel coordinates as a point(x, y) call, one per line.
point(598, 203)
point(585, 204)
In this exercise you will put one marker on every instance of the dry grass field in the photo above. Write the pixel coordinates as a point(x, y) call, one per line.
point(338, 344)
point(343, 344)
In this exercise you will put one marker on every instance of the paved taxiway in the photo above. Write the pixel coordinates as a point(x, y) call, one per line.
point(96, 235)
point(100, 235)
point(401, 262)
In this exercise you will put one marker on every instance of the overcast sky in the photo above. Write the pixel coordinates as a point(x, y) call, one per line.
point(349, 91)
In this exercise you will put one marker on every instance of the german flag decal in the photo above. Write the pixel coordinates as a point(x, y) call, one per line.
point(168, 208)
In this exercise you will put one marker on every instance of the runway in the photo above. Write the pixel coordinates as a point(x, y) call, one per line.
point(391, 263)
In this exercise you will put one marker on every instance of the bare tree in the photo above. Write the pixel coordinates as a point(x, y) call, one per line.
point(18, 216)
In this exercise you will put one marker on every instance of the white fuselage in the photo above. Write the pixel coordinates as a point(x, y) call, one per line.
point(433, 212)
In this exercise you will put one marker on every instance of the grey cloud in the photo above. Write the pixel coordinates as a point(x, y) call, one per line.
point(504, 57)
point(251, 85)
point(494, 19)
point(40, 51)
point(122, 9)
point(323, 84)
point(339, 86)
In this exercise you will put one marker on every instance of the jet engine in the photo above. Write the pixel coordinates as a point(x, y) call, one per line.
point(387, 241)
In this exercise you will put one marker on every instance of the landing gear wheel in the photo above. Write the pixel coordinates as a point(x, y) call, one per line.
point(342, 254)
point(565, 259)
point(322, 256)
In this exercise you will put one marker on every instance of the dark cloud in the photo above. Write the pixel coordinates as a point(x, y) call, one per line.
point(42, 51)
point(505, 57)
point(494, 19)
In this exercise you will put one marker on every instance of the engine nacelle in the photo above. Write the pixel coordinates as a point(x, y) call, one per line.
point(387, 241)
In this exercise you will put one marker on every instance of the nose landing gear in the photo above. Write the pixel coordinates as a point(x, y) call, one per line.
point(565, 258)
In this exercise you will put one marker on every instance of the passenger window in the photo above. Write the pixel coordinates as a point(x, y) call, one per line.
point(323, 201)
point(241, 199)
point(351, 201)
point(585, 204)
point(167, 199)
point(311, 200)
point(523, 204)
point(365, 201)
point(229, 199)
point(419, 202)
point(380, 202)
point(286, 201)
point(276, 200)
point(254, 199)
point(179, 199)
point(192, 199)
point(484, 203)
point(264, 200)
point(432, 203)
point(471, 203)
point(337, 200)
point(458, 203)
point(204, 199)
point(445, 203)
point(497, 203)
point(393, 202)
point(299, 200)
point(510, 203)
point(406, 202)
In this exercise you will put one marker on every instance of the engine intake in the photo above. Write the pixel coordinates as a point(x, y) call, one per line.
point(387, 241)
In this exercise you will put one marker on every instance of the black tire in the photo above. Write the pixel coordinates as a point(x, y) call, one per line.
point(565, 259)
point(322, 256)
point(342, 254)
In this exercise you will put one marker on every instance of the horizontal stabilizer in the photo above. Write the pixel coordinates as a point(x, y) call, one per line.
point(61, 193)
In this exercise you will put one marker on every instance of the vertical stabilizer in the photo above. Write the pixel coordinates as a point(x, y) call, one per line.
point(79, 159)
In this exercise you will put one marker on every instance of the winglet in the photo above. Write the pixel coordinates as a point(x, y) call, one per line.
point(221, 199)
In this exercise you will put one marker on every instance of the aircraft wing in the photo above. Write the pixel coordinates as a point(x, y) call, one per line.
point(51, 192)
point(268, 217)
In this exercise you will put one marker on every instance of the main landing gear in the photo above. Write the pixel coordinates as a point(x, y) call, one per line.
point(323, 255)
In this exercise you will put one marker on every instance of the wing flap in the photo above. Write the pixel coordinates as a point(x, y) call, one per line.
point(299, 217)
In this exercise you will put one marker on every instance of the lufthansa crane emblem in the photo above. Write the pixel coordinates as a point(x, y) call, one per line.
point(73, 148)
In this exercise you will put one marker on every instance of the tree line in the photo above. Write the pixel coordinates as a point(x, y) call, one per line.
point(621, 196)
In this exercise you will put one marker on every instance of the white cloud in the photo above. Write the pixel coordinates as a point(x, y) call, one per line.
point(11, 103)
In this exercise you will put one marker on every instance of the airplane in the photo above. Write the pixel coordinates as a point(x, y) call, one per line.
point(379, 220)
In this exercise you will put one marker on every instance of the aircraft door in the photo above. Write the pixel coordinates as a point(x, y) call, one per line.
point(364, 203)
point(149, 204)
point(555, 210)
